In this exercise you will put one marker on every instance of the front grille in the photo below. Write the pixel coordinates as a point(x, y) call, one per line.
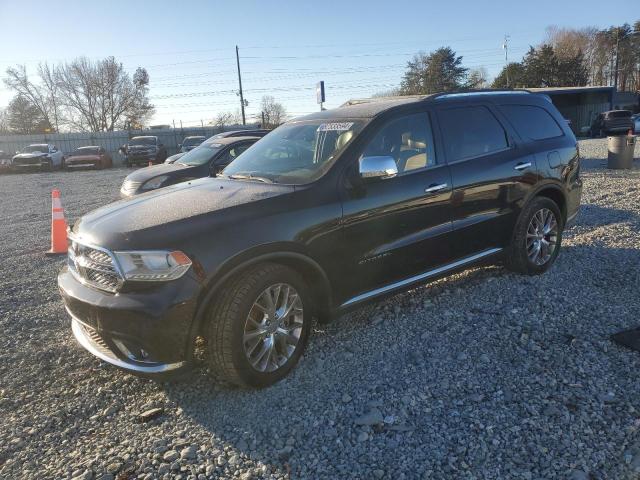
point(129, 187)
point(94, 267)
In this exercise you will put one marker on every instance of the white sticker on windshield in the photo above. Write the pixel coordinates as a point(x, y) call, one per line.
point(333, 127)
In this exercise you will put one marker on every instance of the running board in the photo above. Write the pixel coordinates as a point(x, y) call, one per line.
point(422, 276)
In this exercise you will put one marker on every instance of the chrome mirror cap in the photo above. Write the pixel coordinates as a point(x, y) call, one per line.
point(378, 167)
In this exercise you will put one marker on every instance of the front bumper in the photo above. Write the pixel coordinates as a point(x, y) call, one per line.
point(144, 331)
point(85, 164)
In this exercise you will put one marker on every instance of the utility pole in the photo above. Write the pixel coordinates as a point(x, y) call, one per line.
point(262, 124)
point(615, 69)
point(505, 46)
point(244, 121)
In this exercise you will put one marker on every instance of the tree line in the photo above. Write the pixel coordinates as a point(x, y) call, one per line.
point(566, 58)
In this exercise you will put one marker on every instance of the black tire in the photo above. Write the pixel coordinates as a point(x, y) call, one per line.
point(516, 255)
point(225, 352)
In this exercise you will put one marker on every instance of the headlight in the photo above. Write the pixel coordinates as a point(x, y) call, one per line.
point(154, 183)
point(153, 265)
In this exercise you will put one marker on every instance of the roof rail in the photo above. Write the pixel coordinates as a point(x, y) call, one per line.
point(478, 91)
point(360, 101)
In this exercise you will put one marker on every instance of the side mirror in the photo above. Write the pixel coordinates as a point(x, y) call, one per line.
point(381, 167)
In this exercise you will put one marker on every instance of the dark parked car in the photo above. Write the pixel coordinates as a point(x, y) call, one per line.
point(88, 157)
point(326, 213)
point(611, 123)
point(207, 159)
point(189, 143)
point(142, 150)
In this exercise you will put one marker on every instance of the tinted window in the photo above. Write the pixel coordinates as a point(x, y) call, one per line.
point(619, 114)
point(408, 140)
point(532, 123)
point(143, 141)
point(471, 131)
point(231, 154)
point(201, 155)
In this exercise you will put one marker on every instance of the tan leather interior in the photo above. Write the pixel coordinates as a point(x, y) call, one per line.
point(343, 139)
point(416, 161)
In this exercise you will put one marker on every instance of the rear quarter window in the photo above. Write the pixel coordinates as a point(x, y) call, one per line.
point(531, 122)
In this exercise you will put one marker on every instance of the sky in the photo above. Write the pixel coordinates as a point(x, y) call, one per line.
point(358, 48)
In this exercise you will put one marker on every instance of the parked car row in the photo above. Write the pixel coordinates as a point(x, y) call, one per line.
point(139, 151)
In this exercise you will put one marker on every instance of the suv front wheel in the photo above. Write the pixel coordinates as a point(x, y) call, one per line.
point(259, 326)
point(536, 238)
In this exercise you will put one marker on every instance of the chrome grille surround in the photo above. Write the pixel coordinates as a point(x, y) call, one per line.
point(94, 266)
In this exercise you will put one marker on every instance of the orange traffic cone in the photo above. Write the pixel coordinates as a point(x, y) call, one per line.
point(58, 226)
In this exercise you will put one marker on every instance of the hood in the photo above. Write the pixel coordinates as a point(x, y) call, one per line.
point(147, 173)
point(146, 220)
point(30, 155)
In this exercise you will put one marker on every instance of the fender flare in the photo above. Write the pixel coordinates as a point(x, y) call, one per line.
point(214, 286)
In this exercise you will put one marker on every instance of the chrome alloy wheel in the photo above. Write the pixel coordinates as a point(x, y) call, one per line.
point(273, 327)
point(542, 236)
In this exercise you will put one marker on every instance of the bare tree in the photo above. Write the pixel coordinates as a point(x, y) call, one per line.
point(4, 121)
point(40, 96)
point(274, 112)
point(85, 95)
point(222, 119)
point(100, 96)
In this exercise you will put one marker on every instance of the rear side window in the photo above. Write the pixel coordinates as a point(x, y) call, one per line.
point(532, 123)
point(471, 132)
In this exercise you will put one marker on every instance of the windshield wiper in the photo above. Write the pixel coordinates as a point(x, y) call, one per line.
point(241, 176)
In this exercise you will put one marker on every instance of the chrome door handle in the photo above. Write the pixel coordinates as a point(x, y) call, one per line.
point(435, 188)
point(522, 166)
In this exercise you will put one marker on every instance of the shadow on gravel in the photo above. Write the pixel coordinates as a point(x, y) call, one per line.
point(592, 215)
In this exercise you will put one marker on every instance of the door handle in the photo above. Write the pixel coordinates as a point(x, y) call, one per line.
point(435, 188)
point(522, 166)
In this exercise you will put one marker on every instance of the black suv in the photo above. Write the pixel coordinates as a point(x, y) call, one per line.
point(327, 212)
point(613, 122)
point(145, 149)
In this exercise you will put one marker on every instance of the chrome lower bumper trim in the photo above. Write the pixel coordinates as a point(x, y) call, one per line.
point(88, 344)
point(420, 277)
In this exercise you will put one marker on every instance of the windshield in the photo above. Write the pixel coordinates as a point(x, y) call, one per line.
point(37, 148)
point(619, 114)
point(86, 151)
point(295, 153)
point(201, 155)
point(191, 141)
point(143, 141)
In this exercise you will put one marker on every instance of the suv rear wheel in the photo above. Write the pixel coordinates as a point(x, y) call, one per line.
point(536, 238)
point(259, 326)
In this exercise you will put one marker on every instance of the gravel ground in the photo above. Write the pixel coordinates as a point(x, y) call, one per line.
point(481, 375)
